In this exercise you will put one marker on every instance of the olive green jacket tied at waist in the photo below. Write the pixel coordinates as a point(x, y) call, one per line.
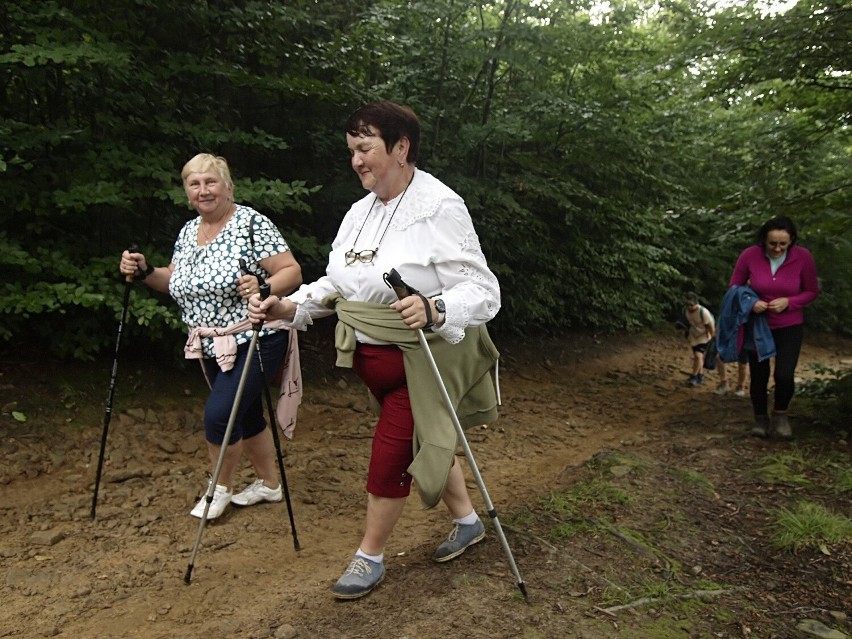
point(468, 370)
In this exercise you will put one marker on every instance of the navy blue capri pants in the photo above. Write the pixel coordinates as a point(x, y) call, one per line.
point(223, 390)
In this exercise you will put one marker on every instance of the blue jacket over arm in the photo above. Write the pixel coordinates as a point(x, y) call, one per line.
point(739, 328)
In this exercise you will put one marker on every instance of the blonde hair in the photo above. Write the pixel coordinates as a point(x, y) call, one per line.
point(204, 162)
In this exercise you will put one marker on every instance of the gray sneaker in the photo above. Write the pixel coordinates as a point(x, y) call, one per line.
point(360, 578)
point(461, 538)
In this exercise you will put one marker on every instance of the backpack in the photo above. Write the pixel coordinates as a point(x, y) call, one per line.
point(684, 324)
point(710, 355)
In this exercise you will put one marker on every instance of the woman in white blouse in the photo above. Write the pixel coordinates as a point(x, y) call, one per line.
point(411, 222)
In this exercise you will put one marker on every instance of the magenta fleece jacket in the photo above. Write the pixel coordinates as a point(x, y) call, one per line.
point(796, 279)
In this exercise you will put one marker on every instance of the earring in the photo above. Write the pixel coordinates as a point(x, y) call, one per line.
point(401, 164)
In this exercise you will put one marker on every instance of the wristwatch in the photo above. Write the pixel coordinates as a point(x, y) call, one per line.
point(442, 310)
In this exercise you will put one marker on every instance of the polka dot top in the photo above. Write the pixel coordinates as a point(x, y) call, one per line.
point(204, 281)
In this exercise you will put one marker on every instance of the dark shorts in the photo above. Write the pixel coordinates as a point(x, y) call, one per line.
point(700, 348)
point(382, 369)
point(249, 420)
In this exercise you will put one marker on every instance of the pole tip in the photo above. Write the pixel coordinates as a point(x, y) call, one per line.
point(188, 576)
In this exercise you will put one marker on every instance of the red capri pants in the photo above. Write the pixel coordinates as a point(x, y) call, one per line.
point(382, 369)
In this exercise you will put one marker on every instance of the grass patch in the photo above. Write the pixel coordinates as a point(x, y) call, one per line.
point(606, 460)
point(842, 478)
point(572, 507)
point(783, 468)
point(795, 467)
point(809, 525)
point(465, 580)
point(694, 478)
point(587, 493)
point(570, 529)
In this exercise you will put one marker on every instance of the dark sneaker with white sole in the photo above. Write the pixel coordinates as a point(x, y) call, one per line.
point(461, 538)
point(359, 579)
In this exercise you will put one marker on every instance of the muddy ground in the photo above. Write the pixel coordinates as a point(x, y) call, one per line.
point(634, 507)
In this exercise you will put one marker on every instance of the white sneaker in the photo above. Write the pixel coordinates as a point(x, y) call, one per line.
point(740, 392)
point(255, 493)
point(221, 499)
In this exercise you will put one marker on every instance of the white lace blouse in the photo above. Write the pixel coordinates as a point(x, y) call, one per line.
point(430, 241)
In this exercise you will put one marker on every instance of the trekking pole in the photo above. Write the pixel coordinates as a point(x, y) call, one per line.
point(128, 283)
point(394, 280)
point(211, 489)
point(264, 293)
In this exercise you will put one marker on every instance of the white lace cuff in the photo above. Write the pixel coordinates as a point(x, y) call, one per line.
point(453, 334)
point(302, 318)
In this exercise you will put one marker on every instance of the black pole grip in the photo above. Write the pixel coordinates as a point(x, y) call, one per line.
point(265, 291)
point(245, 269)
point(394, 281)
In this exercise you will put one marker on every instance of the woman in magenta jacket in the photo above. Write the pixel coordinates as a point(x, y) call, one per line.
point(784, 276)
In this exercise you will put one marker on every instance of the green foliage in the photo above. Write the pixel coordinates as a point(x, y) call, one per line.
point(609, 160)
point(72, 308)
point(828, 397)
point(766, 94)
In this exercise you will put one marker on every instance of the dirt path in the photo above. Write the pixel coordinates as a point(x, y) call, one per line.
point(121, 575)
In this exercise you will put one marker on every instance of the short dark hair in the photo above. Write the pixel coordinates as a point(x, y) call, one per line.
point(391, 121)
point(777, 223)
point(690, 298)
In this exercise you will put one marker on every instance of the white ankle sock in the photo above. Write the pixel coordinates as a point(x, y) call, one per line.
point(377, 558)
point(472, 518)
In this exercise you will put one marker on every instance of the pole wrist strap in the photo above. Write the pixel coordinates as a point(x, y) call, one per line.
point(428, 309)
point(141, 275)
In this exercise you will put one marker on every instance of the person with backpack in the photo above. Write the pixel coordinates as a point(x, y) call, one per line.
point(700, 331)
